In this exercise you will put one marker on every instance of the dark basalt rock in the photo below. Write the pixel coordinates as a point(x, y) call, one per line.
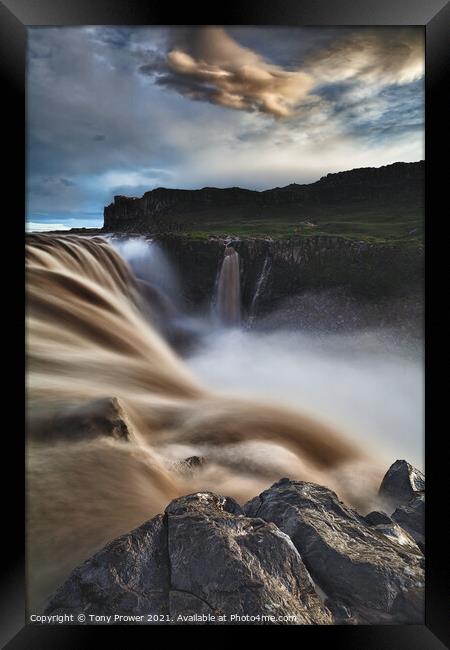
point(295, 550)
point(376, 578)
point(129, 576)
point(382, 523)
point(401, 483)
point(341, 613)
point(100, 417)
point(376, 518)
point(201, 557)
point(397, 534)
point(411, 517)
point(318, 264)
point(235, 564)
point(191, 465)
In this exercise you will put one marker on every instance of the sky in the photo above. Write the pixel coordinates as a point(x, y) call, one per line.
point(123, 110)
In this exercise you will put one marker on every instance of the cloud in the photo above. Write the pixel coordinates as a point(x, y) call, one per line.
point(209, 65)
point(381, 57)
point(32, 226)
point(144, 177)
point(217, 69)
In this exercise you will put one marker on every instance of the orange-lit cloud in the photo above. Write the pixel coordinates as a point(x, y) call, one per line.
point(223, 72)
point(209, 65)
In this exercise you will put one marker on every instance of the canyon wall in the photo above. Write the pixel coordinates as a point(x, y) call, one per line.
point(295, 265)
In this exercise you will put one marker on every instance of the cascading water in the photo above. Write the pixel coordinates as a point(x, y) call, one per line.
point(159, 285)
point(228, 301)
point(260, 288)
point(149, 263)
point(88, 339)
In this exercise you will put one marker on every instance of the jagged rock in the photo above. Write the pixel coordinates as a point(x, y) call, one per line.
point(194, 461)
point(128, 576)
point(201, 558)
point(341, 613)
point(245, 568)
point(401, 483)
point(411, 517)
point(382, 523)
point(375, 577)
point(376, 518)
point(397, 534)
point(100, 417)
point(189, 466)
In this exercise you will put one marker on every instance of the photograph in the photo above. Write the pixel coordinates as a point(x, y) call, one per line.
point(225, 325)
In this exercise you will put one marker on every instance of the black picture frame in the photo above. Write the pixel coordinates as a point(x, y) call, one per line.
point(15, 17)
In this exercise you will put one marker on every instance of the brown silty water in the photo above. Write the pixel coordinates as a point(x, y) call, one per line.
point(88, 339)
point(228, 289)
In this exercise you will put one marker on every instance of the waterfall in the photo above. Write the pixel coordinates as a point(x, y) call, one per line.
point(149, 263)
point(90, 345)
point(260, 286)
point(228, 301)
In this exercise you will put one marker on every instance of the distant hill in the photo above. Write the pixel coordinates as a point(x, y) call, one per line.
point(378, 204)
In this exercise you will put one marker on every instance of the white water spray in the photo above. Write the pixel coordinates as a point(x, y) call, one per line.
point(259, 290)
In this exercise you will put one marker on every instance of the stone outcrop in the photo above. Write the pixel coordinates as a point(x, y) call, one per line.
point(295, 554)
point(288, 267)
point(374, 577)
point(411, 517)
point(201, 557)
point(99, 417)
point(401, 483)
point(382, 523)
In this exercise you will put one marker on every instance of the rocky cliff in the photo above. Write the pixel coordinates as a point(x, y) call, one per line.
point(387, 189)
point(275, 269)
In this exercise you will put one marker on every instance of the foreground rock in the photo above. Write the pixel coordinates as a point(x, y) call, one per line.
point(203, 557)
point(99, 417)
point(411, 517)
point(367, 575)
point(295, 554)
point(401, 483)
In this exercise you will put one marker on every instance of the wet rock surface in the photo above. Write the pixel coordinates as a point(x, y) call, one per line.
point(235, 564)
point(202, 557)
point(377, 517)
point(401, 483)
point(305, 275)
point(100, 417)
point(295, 553)
point(375, 576)
point(411, 517)
point(129, 576)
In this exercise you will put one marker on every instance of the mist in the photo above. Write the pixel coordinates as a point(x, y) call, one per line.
point(369, 384)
